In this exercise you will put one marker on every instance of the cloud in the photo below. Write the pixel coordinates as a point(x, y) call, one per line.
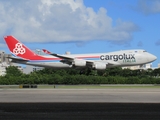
point(60, 21)
point(157, 42)
point(149, 6)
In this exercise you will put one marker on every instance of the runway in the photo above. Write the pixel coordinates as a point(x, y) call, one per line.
point(110, 104)
point(81, 95)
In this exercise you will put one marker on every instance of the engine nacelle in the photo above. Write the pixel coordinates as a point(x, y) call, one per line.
point(79, 63)
point(99, 66)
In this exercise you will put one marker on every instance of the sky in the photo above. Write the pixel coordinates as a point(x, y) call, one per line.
point(82, 26)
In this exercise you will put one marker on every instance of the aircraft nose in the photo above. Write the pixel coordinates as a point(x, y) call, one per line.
point(152, 57)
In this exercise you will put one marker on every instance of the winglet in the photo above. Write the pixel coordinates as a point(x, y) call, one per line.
point(46, 51)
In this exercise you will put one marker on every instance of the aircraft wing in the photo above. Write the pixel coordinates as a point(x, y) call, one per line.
point(109, 62)
point(69, 58)
point(58, 55)
point(62, 56)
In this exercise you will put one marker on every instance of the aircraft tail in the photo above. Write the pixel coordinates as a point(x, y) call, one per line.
point(19, 49)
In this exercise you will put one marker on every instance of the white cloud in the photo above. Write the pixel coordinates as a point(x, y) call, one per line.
point(149, 6)
point(60, 21)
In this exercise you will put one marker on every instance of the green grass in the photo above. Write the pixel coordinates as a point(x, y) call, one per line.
point(96, 86)
point(85, 86)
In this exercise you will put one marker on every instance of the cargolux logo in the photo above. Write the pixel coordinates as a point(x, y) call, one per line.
point(19, 49)
point(118, 57)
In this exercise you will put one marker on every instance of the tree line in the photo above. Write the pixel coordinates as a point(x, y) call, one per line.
point(115, 75)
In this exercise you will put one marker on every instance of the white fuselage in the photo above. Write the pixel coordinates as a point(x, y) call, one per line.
point(110, 59)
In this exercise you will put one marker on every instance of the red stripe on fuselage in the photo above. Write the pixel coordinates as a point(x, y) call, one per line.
point(37, 57)
point(56, 58)
point(83, 57)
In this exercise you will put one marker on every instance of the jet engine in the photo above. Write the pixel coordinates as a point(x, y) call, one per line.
point(99, 66)
point(79, 63)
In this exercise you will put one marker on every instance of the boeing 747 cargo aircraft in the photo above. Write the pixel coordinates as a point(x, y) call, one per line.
point(97, 61)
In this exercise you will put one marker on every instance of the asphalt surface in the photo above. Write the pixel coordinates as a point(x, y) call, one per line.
point(91, 104)
point(126, 95)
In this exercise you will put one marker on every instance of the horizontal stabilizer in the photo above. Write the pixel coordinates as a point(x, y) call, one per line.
point(14, 59)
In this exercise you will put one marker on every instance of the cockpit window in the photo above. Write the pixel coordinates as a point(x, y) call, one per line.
point(144, 51)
